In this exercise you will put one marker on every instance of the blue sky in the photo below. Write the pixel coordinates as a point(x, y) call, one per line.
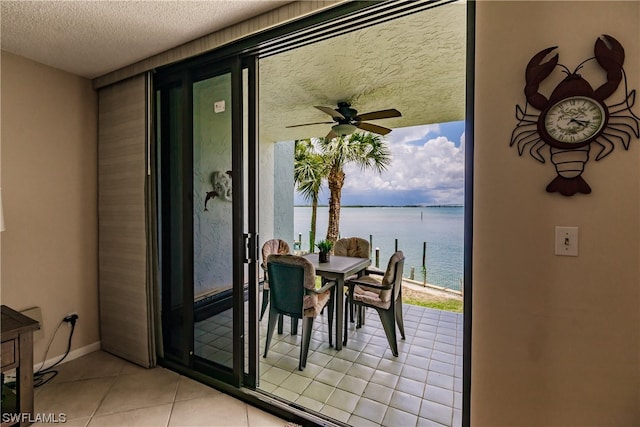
point(427, 168)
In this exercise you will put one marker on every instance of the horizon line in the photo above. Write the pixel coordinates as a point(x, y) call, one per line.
point(442, 205)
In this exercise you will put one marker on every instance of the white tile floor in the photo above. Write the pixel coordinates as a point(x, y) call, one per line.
point(364, 384)
point(103, 390)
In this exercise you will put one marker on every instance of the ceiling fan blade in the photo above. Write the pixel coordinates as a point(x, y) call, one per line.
point(330, 111)
point(309, 124)
point(382, 114)
point(369, 127)
point(331, 135)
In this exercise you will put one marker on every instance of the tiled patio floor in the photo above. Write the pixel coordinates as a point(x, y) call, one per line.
point(364, 384)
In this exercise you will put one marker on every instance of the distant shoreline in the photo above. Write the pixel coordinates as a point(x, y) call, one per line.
point(386, 206)
point(432, 236)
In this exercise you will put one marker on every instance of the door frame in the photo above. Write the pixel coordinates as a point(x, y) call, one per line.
point(346, 17)
point(244, 243)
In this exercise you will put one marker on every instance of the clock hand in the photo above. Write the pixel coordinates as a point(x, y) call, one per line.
point(580, 122)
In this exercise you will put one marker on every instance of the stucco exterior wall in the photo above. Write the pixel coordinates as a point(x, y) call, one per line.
point(212, 229)
point(283, 191)
point(555, 339)
point(49, 189)
point(266, 191)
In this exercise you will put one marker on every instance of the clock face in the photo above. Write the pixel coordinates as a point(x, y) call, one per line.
point(572, 121)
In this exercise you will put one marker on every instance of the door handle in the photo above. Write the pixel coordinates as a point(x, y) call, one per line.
point(251, 250)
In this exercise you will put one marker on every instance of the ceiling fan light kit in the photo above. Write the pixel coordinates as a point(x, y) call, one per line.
point(344, 129)
point(348, 120)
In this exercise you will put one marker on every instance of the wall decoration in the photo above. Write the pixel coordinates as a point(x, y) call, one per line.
point(575, 116)
point(221, 182)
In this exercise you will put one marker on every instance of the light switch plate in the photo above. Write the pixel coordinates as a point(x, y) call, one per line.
point(218, 106)
point(566, 241)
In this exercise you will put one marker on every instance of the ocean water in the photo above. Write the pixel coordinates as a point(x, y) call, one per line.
point(442, 228)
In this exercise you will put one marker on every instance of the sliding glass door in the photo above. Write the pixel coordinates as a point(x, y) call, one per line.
point(207, 157)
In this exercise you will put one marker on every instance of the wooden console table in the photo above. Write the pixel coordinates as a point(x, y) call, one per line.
point(17, 352)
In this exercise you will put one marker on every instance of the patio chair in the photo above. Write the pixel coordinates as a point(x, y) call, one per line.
point(273, 246)
point(384, 294)
point(293, 284)
point(355, 247)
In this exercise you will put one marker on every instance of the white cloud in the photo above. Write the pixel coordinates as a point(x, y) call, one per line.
point(433, 168)
point(412, 134)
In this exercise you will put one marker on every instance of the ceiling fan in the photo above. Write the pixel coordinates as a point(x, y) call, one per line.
point(347, 120)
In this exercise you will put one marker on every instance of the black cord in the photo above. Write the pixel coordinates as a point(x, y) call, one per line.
point(40, 377)
point(73, 327)
point(44, 358)
point(43, 376)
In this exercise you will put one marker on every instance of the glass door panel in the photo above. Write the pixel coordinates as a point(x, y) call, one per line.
point(213, 220)
point(207, 216)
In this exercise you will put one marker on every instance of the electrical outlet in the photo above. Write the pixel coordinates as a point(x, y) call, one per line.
point(71, 318)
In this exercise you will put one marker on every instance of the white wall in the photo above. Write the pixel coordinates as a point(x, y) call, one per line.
point(49, 188)
point(555, 339)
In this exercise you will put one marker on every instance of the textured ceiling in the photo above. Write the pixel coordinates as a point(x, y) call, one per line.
point(415, 64)
point(92, 38)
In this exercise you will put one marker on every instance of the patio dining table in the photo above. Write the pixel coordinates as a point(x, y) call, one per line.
point(338, 269)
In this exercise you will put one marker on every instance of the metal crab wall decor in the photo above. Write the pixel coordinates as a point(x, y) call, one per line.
point(575, 116)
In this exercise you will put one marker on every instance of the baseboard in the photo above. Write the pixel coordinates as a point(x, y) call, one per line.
point(73, 354)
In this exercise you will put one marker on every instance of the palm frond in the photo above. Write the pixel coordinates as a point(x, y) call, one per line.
point(309, 169)
point(369, 151)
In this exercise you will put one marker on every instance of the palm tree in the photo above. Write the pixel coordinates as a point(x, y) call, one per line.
point(309, 172)
point(367, 150)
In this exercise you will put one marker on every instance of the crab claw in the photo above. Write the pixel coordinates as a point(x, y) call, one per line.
point(611, 59)
point(535, 74)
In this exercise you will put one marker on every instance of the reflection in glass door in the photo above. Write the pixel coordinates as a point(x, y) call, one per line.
point(207, 220)
point(213, 220)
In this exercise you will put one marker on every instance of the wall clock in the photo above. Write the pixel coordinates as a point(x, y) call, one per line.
point(573, 122)
point(575, 115)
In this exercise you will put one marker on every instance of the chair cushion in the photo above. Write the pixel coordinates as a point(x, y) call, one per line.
point(374, 280)
point(370, 296)
point(352, 246)
point(314, 303)
point(273, 246)
point(384, 296)
point(389, 276)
